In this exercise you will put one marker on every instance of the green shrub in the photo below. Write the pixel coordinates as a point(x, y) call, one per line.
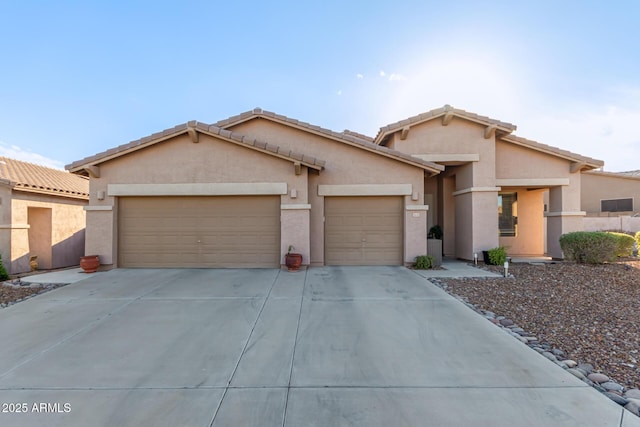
point(3, 271)
point(435, 232)
point(591, 247)
point(424, 262)
point(625, 244)
point(638, 241)
point(497, 256)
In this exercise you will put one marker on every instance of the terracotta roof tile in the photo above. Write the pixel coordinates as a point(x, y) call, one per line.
point(429, 115)
point(41, 179)
point(180, 129)
point(593, 163)
point(351, 138)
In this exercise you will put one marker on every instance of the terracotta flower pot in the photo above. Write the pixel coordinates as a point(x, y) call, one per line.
point(293, 261)
point(90, 263)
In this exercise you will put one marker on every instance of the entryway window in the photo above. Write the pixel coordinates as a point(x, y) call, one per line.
point(508, 214)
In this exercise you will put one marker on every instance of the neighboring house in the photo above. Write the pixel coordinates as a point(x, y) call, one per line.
point(611, 194)
point(239, 192)
point(42, 215)
point(611, 200)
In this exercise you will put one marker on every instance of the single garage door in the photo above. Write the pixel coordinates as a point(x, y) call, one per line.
point(363, 230)
point(238, 231)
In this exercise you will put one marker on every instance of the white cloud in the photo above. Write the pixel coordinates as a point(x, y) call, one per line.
point(339, 92)
point(394, 77)
point(359, 76)
point(382, 73)
point(15, 152)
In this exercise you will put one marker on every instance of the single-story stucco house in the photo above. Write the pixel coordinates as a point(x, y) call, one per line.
point(239, 192)
point(42, 215)
point(611, 200)
point(611, 193)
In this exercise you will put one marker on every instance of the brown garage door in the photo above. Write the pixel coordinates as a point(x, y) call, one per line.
point(363, 230)
point(242, 231)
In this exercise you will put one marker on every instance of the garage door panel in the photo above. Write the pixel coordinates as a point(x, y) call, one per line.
point(363, 230)
point(225, 231)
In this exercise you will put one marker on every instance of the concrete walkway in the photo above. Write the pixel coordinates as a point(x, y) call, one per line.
point(455, 268)
point(70, 275)
point(330, 346)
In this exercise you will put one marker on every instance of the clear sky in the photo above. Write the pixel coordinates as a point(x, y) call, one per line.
point(80, 77)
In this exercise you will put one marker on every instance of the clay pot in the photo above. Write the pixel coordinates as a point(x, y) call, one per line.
point(293, 261)
point(90, 263)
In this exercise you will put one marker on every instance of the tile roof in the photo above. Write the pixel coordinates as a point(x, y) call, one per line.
point(630, 173)
point(41, 179)
point(439, 112)
point(589, 162)
point(256, 144)
point(349, 138)
point(635, 175)
point(358, 135)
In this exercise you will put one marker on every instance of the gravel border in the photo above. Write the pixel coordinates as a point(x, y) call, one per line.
point(629, 398)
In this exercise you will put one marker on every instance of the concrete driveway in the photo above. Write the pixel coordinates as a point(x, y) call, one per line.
point(330, 346)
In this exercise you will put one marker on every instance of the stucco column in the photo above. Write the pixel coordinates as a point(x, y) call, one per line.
point(564, 214)
point(415, 238)
point(294, 231)
point(99, 237)
point(476, 221)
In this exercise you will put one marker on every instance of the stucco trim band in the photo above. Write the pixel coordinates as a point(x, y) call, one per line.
point(14, 226)
point(365, 190)
point(476, 190)
point(295, 207)
point(436, 158)
point(98, 208)
point(196, 189)
point(417, 207)
point(535, 182)
point(565, 213)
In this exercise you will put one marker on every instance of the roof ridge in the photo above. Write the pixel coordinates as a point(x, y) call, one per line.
point(362, 142)
point(436, 112)
point(535, 144)
point(31, 176)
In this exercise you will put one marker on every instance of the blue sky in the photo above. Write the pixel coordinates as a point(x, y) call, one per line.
point(77, 78)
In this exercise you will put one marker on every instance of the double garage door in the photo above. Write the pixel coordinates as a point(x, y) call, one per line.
point(244, 231)
point(238, 231)
point(363, 230)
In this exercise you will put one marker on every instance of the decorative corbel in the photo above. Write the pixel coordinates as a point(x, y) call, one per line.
point(93, 171)
point(490, 131)
point(193, 134)
point(576, 166)
point(446, 119)
point(404, 133)
point(297, 167)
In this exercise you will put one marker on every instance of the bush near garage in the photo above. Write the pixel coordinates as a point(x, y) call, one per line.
point(424, 262)
point(590, 247)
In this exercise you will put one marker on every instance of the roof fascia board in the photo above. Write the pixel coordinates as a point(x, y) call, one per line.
point(448, 115)
point(434, 169)
point(583, 161)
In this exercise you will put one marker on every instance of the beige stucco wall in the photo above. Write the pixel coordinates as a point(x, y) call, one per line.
point(345, 165)
point(564, 214)
point(65, 231)
point(530, 235)
point(597, 187)
point(179, 160)
point(5, 224)
point(516, 162)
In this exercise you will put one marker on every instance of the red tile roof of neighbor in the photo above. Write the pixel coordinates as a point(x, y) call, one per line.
point(41, 179)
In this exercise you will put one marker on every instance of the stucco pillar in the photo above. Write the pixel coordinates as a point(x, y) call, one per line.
point(476, 221)
point(294, 231)
point(99, 238)
point(415, 231)
point(564, 215)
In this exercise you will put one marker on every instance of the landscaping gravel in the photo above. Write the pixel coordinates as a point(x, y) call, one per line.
point(587, 313)
point(15, 291)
